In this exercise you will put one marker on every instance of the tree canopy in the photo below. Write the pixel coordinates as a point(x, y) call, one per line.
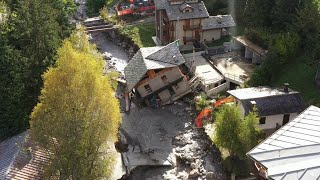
point(77, 117)
point(30, 36)
point(235, 134)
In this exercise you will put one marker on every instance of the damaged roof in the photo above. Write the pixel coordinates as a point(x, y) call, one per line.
point(293, 152)
point(175, 11)
point(151, 58)
point(269, 101)
point(218, 22)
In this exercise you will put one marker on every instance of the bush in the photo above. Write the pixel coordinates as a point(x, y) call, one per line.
point(201, 102)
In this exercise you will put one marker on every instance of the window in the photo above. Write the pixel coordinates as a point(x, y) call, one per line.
point(164, 79)
point(224, 81)
point(148, 88)
point(171, 91)
point(216, 84)
point(262, 120)
point(286, 118)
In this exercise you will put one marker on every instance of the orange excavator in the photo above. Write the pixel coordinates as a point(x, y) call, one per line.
point(206, 112)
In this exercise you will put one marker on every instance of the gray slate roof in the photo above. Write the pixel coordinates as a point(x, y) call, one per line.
point(293, 152)
point(218, 22)
point(175, 13)
point(151, 58)
point(269, 101)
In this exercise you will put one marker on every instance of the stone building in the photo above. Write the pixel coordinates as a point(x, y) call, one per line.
point(188, 21)
point(155, 75)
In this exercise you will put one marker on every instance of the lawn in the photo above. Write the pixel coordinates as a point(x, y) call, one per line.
point(141, 34)
point(301, 76)
point(219, 42)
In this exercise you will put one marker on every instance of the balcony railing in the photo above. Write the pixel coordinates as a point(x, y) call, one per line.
point(188, 39)
point(191, 27)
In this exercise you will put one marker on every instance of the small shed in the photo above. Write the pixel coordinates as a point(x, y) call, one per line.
point(252, 51)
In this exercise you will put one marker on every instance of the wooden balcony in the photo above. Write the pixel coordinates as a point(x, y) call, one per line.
point(191, 27)
point(171, 28)
point(190, 39)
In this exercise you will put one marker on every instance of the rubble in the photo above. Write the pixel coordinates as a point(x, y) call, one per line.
point(188, 149)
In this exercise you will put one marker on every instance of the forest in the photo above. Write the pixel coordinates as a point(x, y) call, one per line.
point(290, 30)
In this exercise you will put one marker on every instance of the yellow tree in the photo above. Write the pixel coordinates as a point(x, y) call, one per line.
point(77, 116)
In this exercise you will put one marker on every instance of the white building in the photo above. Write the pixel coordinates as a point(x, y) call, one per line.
point(276, 107)
point(293, 152)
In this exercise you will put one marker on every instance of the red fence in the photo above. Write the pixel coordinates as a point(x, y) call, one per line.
point(131, 10)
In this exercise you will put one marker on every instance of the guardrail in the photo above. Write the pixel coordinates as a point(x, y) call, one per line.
point(234, 78)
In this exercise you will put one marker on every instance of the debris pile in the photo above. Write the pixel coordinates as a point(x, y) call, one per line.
point(196, 157)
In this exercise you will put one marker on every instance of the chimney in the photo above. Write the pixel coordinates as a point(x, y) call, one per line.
point(253, 103)
point(286, 87)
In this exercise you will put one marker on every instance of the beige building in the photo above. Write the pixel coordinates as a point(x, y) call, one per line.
point(275, 107)
point(155, 75)
point(189, 22)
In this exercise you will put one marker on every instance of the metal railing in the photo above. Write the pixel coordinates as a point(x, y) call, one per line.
point(234, 77)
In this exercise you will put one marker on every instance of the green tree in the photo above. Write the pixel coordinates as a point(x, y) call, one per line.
point(227, 129)
point(30, 36)
point(250, 132)
point(13, 74)
point(94, 6)
point(236, 134)
point(77, 117)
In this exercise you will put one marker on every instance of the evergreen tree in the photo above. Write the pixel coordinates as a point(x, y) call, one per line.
point(227, 129)
point(13, 74)
point(77, 117)
point(236, 134)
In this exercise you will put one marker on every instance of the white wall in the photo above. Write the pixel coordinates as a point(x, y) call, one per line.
point(271, 121)
point(179, 33)
point(221, 88)
point(208, 35)
point(157, 83)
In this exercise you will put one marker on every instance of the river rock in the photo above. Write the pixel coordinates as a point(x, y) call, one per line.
point(194, 173)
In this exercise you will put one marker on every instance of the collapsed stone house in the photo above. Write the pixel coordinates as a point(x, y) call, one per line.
point(154, 75)
point(189, 22)
point(275, 107)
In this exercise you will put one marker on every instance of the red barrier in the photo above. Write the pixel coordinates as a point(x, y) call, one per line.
point(203, 114)
point(206, 113)
point(131, 10)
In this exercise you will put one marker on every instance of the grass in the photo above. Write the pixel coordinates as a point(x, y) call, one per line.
point(110, 3)
point(141, 34)
point(301, 76)
point(219, 42)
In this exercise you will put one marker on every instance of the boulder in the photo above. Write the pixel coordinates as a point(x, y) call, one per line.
point(194, 173)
